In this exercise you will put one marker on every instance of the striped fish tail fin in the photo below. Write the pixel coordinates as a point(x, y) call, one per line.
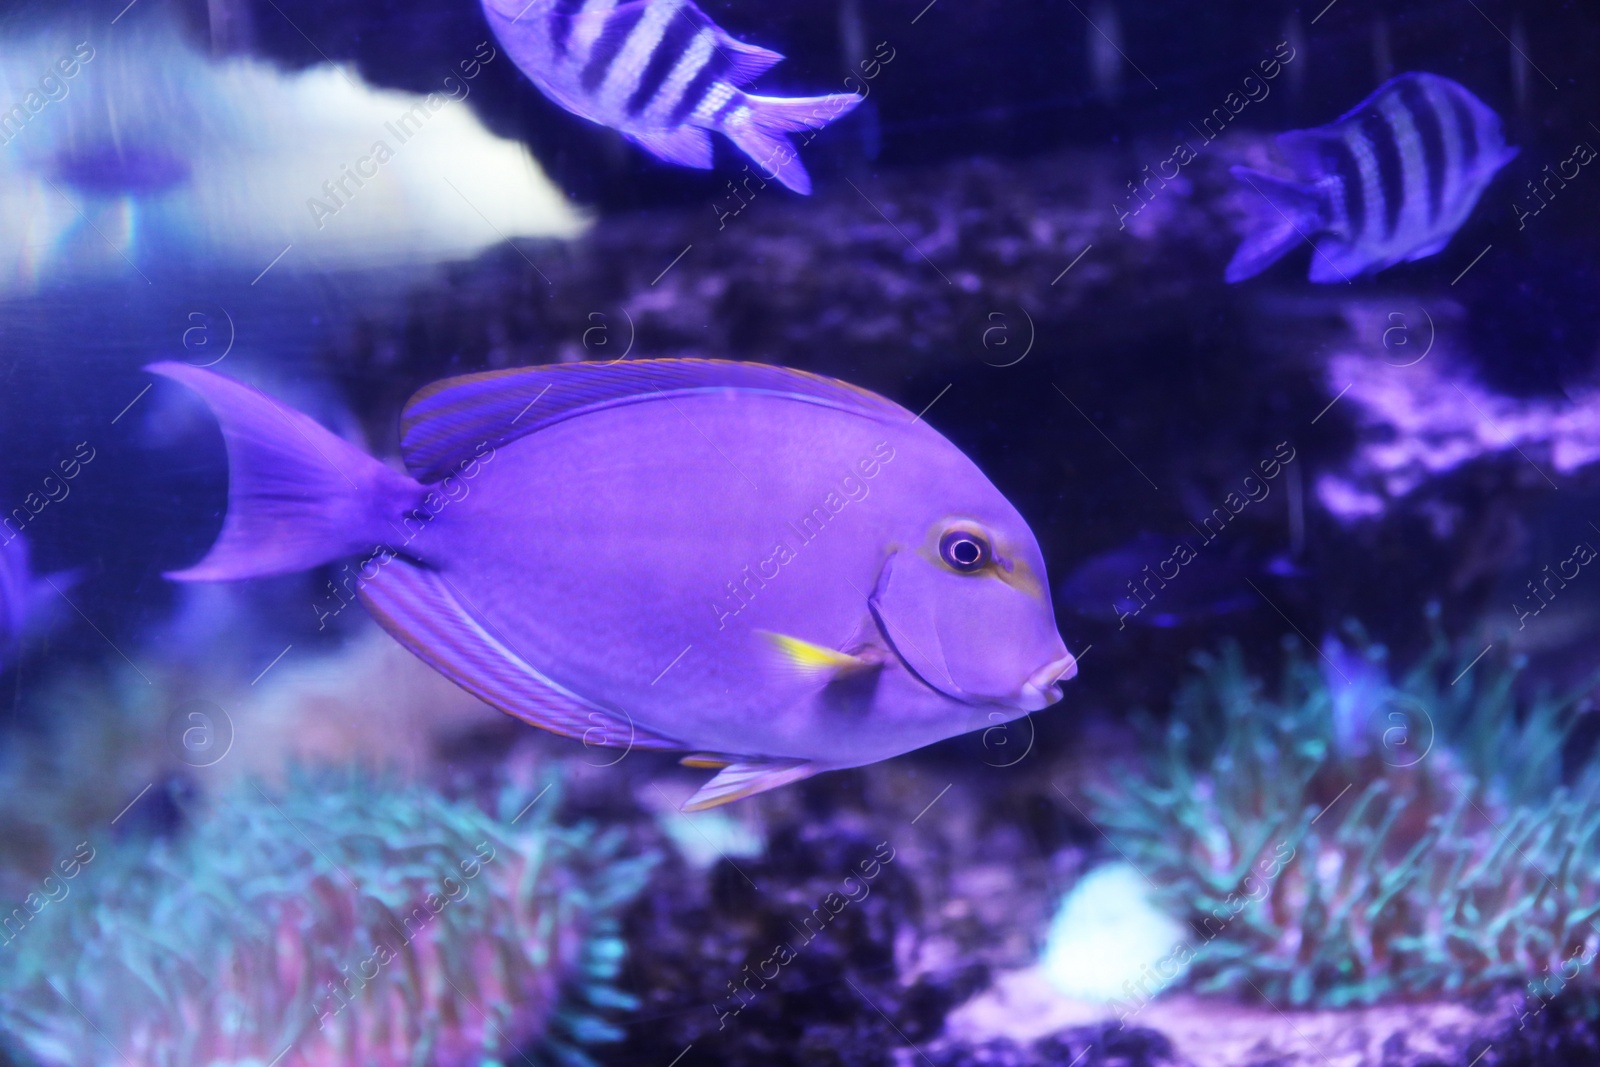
point(1281, 213)
point(763, 121)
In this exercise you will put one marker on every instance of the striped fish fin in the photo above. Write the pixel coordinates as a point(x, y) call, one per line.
point(1281, 215)
point(420, 609)
point(687, 146)
point(757, 124)
point(449, 420)
point(746, 62)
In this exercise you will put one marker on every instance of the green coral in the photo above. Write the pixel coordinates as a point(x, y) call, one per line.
point(342, 922)
point(1349, 840)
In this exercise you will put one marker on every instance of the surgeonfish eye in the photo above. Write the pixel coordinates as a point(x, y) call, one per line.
point(965, 551)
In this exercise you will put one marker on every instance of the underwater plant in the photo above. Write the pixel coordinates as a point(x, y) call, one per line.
point(1350, 840)
point(346, 921)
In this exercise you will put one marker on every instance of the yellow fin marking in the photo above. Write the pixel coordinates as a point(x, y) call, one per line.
point(811, 659)
point(703, 761)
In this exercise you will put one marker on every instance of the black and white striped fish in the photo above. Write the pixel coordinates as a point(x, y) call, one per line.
point(663, 75)
point(1389, 182)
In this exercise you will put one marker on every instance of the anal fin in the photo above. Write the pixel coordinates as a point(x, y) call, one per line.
point(687, 146)
point(420, 609)
point(1430, 249)
point(746, 776)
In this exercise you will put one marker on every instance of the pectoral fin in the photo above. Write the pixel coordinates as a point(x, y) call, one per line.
point(744, 777)
point(817, 662)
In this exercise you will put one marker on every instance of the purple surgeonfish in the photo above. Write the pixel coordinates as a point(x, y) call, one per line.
point(775, 572)
point(662, 74)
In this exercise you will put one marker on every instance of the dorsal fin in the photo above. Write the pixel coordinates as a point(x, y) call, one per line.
point(1302, 149)
point(444, 423)
point(747, 61)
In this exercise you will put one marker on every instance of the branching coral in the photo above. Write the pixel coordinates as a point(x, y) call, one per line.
point(343, 922)
point(1352, 840)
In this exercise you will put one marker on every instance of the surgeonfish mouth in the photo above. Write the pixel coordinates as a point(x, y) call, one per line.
point(1043, 687)
point(1390, 181)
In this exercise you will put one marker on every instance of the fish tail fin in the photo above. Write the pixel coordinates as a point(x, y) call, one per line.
point(298, 495)
point(1283, 213)
point(760, 135)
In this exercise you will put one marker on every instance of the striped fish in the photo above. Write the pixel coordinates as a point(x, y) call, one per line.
point(1389, 182)
point(663, 75)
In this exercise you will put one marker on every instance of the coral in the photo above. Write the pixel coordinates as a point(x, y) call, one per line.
point(98, 746)
point(711, 972)
point(1105, 932)
point(874, 983)
point(1353, 841)
point(1420, 421)
point(101, 736)
point(1562, 1033)
point(1107, 1046)
point(1023, 1012)
point(346, 921)
point(827, 285)
point(1083, 1046)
